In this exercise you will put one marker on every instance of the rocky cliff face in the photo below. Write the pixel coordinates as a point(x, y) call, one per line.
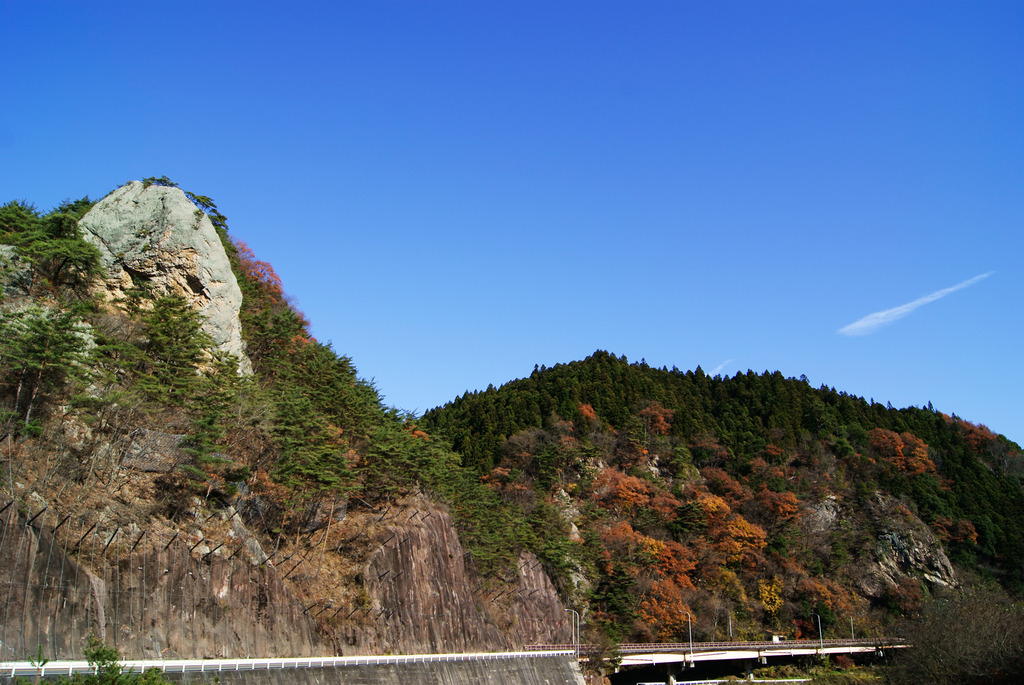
point(421, 596)
point(154, 237)
point(90, 543)
point(906, 547)
point(205, 586)
point(152, 594)
point(903, 548)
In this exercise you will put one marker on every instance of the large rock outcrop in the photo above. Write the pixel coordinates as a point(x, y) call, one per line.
point(904, 547)
point(422, 597)
point(154, 236)
point(393, 581)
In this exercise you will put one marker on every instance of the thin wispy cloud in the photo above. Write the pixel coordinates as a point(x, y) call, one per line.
point(718, 369)
point(872, 322)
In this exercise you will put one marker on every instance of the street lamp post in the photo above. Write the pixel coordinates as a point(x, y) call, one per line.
point(689, 624)
point(575, 632)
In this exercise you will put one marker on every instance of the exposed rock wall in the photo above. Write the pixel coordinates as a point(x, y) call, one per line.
point(904, 547)
point(15, 274)
point(207, 588)
point(422, 598)
point(519, 671)
point(155, 237)
point(168, 597)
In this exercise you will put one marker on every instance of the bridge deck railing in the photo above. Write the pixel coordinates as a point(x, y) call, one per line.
point(639, 647)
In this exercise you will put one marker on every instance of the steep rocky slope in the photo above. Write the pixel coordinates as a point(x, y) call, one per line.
point(152, 594)
point(108, 526)
point(374, 581)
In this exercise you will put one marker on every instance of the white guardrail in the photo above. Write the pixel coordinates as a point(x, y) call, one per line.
point(53, 668)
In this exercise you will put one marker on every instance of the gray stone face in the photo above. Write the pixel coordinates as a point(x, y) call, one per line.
point(15, 274)
point(155, 236)
point(905, 547)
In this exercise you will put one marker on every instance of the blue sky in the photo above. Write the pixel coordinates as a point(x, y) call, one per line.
point(455, 191)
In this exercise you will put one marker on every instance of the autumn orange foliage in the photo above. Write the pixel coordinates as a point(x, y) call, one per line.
point(734, 539)
point(259, 270)
point(961, 531)
point(781, 506)
point(905, 451)
point(262, 273)
point(721, 483)
point(627, 495)
point(773, 453)
point(657, 419)
point(976, 435)
point(665, 611)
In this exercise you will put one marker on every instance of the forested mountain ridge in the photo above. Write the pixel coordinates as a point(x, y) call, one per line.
point(747, 504)
point(759, 495)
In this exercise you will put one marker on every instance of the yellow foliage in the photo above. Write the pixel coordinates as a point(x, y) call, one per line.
point(714, 506)
point(728, 583)
point(651, 547)
point(770, 594)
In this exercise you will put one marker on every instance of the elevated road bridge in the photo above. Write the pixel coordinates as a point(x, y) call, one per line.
point(687, 653)
point(647, 654)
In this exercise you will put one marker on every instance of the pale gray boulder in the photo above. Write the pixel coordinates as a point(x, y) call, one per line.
point(155, 236)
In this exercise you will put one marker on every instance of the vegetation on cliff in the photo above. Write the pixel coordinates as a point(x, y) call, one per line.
point(659, 500)
point(301, 430)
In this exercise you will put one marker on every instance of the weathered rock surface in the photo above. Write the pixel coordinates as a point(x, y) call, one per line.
point(415, 590)
point(499, 671)
point(904, 546)
point(155, 236)
point(423, 599)
point(547, 670)
point(206, 587)
point(150, 595)
point(14, 272)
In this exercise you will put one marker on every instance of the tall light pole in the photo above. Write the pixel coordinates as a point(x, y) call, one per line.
point(689, 624)
point(575, 632)
point(821, 642)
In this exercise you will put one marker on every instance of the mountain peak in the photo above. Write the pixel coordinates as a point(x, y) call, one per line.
point(154, 237)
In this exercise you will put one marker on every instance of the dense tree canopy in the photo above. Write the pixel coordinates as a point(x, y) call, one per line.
point(716, 475)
